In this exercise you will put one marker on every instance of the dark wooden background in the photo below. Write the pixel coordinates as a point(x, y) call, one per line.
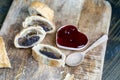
point(112, 58)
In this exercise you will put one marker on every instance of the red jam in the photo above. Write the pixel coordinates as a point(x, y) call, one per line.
point(69, 36)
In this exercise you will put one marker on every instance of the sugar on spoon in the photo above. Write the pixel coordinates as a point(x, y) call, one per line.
point(76, 58)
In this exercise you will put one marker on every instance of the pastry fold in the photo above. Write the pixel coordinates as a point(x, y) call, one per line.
point(4, 60)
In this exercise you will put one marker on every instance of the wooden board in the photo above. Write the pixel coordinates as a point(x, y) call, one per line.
point(91, 19)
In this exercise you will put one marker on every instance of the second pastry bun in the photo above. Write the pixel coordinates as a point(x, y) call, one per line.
point(47, 25)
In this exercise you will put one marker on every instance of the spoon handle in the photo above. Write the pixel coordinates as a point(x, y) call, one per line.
point(96, 43)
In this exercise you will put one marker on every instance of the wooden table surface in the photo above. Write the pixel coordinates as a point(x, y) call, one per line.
point(111, 67)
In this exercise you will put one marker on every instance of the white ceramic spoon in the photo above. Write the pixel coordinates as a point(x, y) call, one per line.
point(76, 58)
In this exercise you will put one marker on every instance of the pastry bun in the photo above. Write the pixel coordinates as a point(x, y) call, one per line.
point(49, 55)
point(29, 37)
point(38, 8)
point(47, 25)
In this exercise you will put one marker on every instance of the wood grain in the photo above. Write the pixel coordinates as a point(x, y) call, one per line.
point(91, 19)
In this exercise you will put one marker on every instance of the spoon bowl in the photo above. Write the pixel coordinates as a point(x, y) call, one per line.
point(76, 58)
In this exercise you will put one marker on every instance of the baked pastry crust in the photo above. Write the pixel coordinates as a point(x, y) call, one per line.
point(42, 59)
point(31, 21)
point(4, 60)
point(38, 8)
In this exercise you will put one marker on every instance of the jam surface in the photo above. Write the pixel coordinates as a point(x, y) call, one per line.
point(69, 36)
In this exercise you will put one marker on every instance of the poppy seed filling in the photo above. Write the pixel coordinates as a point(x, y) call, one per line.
point(50, 54)
point(29, 39)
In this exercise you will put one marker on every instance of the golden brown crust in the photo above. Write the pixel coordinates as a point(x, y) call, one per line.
point(4, 60)
point(37, 7)
point(54, 63)
point(37, 57)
